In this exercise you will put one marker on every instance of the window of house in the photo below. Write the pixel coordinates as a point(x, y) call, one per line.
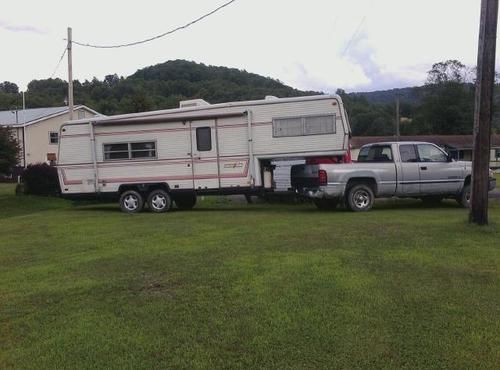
point(138, 150)
point(53, 137)
point(204, 139)
point(497, 153)
point(81, 114)
point(303, 126)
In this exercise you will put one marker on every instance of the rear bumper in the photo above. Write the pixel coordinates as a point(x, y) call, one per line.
point(321, 192)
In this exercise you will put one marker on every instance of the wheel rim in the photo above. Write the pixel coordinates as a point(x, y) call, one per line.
point(158, 202)
point(467, 197)
point(131, 202)
point(361, 199)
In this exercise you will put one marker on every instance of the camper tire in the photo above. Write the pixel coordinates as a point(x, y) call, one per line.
point(131, 201)
point(185, 201)
point(159, 201)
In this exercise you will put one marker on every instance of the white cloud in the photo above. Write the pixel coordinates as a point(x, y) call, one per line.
point(315, 45)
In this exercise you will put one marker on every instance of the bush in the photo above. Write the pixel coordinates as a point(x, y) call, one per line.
point(41, 179)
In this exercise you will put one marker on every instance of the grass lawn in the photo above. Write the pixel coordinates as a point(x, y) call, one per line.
point(230, 285)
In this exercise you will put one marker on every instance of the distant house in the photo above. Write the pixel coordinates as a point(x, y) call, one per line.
point(37, 130)
point(459, 146)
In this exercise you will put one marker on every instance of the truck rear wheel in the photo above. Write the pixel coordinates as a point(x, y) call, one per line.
point(131, 201)
point(159, 201)
point(360, 198)
point(185, 201)
point(326, 204)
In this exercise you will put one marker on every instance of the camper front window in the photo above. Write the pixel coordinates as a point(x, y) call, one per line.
point(129, 150)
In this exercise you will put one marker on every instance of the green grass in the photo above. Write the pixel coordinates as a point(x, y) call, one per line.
point(230, 285)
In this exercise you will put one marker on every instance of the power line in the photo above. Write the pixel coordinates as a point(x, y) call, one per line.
point(354, 35)
point(158, 36)
point(59, 63)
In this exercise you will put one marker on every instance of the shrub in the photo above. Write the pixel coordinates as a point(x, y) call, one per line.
point(41, 179)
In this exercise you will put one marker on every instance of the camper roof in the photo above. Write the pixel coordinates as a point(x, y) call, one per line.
point(198, 110)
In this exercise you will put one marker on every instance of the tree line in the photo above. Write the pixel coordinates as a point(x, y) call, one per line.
point(444, 105)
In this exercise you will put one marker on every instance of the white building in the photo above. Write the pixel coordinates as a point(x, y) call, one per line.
point(37, 130)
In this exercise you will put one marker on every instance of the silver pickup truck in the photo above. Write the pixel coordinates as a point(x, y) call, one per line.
point(402, 169)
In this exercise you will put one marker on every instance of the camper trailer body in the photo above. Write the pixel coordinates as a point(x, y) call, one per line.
point(198, 148)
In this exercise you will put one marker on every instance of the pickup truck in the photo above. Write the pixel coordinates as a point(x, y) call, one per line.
point(402, 169)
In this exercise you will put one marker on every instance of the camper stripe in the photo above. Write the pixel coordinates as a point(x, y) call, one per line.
point(131, 132)
point(244, 174)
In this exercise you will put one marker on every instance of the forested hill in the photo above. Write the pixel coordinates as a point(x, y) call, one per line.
point(444, 105)
point(157, 87)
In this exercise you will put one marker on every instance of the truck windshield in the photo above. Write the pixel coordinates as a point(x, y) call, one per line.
point(375, 153)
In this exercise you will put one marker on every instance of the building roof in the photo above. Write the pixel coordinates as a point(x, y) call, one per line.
point(449, 141)
point(32, 115)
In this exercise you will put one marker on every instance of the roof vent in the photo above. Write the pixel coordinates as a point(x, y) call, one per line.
point(193, 103)
point(271, 97)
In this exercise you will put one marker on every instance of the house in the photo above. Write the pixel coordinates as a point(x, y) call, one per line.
point(37, 130)
point(460, 147)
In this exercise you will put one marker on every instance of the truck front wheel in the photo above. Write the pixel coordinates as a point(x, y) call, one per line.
point(360, 198)
point(464, 198)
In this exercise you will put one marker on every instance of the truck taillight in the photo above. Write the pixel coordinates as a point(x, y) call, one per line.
point(322, 177)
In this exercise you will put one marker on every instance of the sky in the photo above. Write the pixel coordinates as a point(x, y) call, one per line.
point(320, 45)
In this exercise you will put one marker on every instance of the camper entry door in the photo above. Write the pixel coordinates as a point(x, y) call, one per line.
point(204, 154)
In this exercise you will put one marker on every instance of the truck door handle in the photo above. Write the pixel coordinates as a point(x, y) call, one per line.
point(423, 168)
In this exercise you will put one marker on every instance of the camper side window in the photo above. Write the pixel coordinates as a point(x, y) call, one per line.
point(129, 150)
point(304, 126)
point(204, 139)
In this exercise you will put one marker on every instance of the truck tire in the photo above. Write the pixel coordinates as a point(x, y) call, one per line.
point(360, 198)
point(464, 198)
point(185, 201)
point(159, 201)
point(326, 204)
point(131, 201)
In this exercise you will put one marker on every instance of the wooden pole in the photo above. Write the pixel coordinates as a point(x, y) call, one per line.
point(70, 73)
point(483, 111)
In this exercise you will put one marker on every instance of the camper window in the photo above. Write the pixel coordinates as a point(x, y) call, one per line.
point(303, 126)
point(204, 139)
point(129, 150)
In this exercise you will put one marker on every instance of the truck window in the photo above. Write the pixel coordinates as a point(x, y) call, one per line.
point(408, 153)
point(430, 153)
point(375, 153)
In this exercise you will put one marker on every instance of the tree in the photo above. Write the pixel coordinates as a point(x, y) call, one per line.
point(449, 71)
point(448, 102)
point(9, 151)
point(9, 87)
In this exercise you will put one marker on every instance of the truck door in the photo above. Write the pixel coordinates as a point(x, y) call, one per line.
point(409, 181)
point(437, 175)
point(204, 155)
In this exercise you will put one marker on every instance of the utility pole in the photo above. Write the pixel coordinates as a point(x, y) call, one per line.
point(397, 118)
point(70, 73)
point(483, 111)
